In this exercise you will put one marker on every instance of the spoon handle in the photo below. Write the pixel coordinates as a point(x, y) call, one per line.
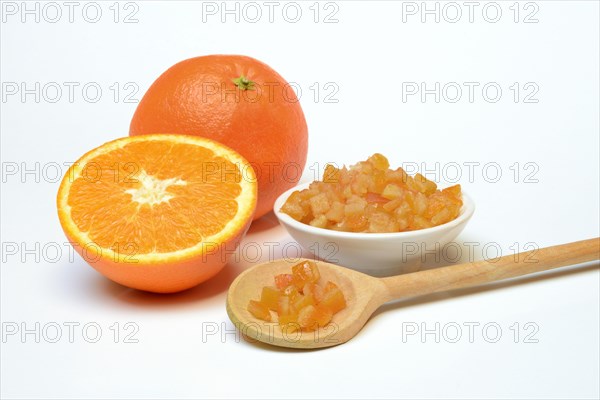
point(479, 272)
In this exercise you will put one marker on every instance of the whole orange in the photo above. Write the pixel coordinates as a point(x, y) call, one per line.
point(240, 102)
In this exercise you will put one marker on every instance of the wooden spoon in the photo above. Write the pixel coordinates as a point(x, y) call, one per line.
point(364, 293)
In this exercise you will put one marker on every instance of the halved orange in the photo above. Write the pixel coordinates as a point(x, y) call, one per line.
point(160, 213)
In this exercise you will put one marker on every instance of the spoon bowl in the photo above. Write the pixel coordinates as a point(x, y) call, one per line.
point(364, 293)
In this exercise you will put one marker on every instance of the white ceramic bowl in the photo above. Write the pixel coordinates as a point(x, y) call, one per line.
point(376, 254)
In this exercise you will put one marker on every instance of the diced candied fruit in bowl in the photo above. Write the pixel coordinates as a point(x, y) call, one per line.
point(370, 197)
point(299, 300)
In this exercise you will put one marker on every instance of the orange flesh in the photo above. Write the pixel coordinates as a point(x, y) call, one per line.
point(142, 195)
point(370, 197)
point(303, 303)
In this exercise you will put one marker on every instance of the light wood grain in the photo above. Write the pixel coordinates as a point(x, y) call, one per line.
point(364, 294)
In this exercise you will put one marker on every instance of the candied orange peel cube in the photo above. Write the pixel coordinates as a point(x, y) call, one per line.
point(312, 317)
point(333, 298)
point(283, 280)
point(259, 310)
point(270, 297)
point(306, 272)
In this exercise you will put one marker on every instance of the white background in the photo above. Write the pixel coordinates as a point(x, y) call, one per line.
point(367, 54)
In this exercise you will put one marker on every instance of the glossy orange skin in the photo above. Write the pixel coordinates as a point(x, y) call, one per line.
point(266, 125)
point(166, 277)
